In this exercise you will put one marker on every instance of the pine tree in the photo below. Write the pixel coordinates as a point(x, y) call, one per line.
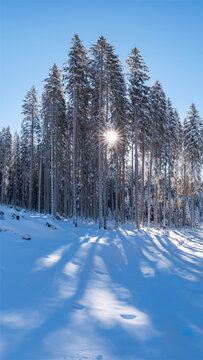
point(31, 126)
point(54, 114)
point(99, 75)
point(138, 96)
point(77, 87)
point(193, 151)
point(158, 128)
point(16, 171)
point(117, 117)
point(5, 159)
point(170, 150)
point(177, 159)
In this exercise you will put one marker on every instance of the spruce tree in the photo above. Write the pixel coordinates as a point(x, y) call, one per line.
point(99, 76)
point(31, 126)
point(77, 88)
point(158, 113)
point(193, 141)
point(54, 113)
point(5, 161)
point(138, 75)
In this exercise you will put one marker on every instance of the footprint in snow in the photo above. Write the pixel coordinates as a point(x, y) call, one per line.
point(100, 272)
point(128, 316)
point(76, 263)
point(78, 306)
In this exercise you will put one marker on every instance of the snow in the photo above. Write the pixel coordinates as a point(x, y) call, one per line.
point(84, 293)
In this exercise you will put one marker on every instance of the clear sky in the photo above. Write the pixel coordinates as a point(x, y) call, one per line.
point(37, 33)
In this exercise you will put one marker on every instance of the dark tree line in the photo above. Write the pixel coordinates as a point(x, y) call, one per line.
point(104, 145)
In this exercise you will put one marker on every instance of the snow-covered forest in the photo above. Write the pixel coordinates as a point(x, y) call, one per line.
point(101, 143)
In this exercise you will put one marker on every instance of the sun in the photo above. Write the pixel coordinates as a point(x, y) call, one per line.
point(111, 137)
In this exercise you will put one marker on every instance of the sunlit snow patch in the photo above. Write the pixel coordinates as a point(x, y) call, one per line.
point(146, 270)
point(50, 259)
point(21, 319)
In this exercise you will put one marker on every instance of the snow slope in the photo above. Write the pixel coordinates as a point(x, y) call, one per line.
point(84, 293)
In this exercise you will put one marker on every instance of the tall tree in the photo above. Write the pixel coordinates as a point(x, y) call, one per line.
point(54, 104)
point(31, 123)
point(99, 84)
point(158, 114)
point(177, 159)
point(5, 159)
point(77, 87)
point(109, 106)
point(138, 75)
point(15, 172)
point(171, 148)
point(193, 146)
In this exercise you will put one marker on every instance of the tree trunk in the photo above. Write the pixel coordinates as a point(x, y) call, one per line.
point(95, 200)
point(116, 190)
point(184, 195)
point(52, 161)
point(99, 148)
point(142, 185)
point(56, 198)
point(3, 179)
point(46, 170)
point(66, 180)
point(40, 181)
point(74, 154)
point(192, 210)
point(169, 195)
point(112, 198)
point(105, 190)
point(192, 196)
point(132, 185)
point(136, 172)
point(156, 195)
point(31, 162)
point(160, 192)
point(23, 187)
point(164, 209)
point(123, 187)
point(176, 196)
point(119, 189)
point(149, 188)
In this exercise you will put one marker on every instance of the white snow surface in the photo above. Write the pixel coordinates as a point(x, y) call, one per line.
point(83, 293)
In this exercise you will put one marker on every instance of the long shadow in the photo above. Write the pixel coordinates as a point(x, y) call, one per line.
point(172, 246)
point(113, 283)
point(165, 300)
point(179, 264)
point(172, 252)
point(159, 296)
point(140, 290)
point(125, 273)
point(182, 242)
point(47, 291)
point(175, 255)
point(62, 309)
point(49, 306)
point(85, 275)
point(195, 236)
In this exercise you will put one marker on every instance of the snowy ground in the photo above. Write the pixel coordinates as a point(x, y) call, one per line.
point(83, 293)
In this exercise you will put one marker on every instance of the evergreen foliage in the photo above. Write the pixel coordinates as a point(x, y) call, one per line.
point(102, 145)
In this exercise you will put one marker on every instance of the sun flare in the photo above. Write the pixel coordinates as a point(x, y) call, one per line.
point(111, 137)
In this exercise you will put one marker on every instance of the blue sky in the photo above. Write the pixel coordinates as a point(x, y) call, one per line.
point(37, 33)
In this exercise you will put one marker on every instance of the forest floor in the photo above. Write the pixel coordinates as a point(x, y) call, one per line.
point(84, 293)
